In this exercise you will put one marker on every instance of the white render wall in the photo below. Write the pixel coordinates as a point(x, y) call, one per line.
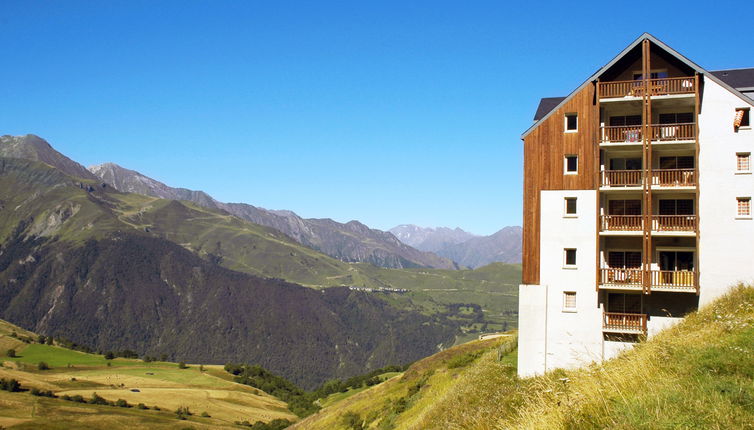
point(726, 244)
point(549, 336)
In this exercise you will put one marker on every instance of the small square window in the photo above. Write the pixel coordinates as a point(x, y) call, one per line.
point(571, 164)
point(571, 122)
point(742, 118)
point(569, 300)
point(570, 205)
point(743, 162)
point(570, 257)
point(744, 206)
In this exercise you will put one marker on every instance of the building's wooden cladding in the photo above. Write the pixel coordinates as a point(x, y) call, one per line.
point(545, 149)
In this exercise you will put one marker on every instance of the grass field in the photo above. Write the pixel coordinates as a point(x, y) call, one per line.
point(200, 388)
point(696, 375)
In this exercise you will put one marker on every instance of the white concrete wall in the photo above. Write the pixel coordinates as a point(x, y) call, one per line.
point(573, 338)
point(532, 329)
point(726, 250)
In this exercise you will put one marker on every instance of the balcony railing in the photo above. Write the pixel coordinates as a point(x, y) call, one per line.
point(621, 178)
point(673, 132)
point(622, 222)
point(657, 87)
point(622, 277)
point(658, 132)
point(674, 177)
point(624, 323)
point(673, 279)
point(673, 222)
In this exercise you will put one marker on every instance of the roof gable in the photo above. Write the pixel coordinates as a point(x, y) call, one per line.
point(625, 56)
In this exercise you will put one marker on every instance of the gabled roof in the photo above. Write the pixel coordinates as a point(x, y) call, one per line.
point(603, 69)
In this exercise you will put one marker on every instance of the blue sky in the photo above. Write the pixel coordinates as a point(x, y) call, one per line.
point(385, 112)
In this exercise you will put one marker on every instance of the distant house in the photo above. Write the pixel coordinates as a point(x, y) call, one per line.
point(637, 204)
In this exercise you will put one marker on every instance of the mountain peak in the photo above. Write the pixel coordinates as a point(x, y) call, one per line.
point(33, 147)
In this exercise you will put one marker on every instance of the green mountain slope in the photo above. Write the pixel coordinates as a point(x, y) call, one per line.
point(698, 374)
point(72, 265)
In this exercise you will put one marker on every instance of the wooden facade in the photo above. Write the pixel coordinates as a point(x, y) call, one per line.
point(545, 149)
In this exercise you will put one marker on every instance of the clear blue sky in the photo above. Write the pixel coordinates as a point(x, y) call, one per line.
point(385, 112)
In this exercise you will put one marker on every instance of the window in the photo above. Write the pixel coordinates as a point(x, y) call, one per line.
point(624, 207)
point(624, 303)
point(742, 118)
point(653, 74)
point(624, 120)
point(744, 207)
point(677, 118)
point(571, 164)
point(625, 164)
point(570, 205)
point(571, 122)
point(743, 162)
point(624, 259)
point(569, 301)
point(570, 257)
point(684, 162)
point(677, 207)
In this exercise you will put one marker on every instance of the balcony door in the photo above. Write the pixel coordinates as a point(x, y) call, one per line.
point(676, 207)
point(676, 261)
point(624, 303)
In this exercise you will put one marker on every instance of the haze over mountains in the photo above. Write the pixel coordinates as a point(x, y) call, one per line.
point(463, 247)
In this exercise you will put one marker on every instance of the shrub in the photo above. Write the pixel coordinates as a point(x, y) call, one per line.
point(11, 353)
point(11, 385)
point(353, 421)
point(141, 406)
point(109, 355)
point(98, 400)
point(182, 365)
point(43, 366)
point(42, 393)
point(205, 414)
point(122, 403)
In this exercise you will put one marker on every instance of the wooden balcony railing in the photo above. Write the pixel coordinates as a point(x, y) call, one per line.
point(623, 322)
point(622, 277)
point(673, 279)
point(674, 177)
point(673, 132)
point(674, 222)
point(622, 222)
point(657, 87)
point(621, 178)
point(658, 132)
point(621, 134)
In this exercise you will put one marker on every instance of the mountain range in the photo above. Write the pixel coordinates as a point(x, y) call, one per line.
point(351, 241)
point(117, 270)
point(463, 247)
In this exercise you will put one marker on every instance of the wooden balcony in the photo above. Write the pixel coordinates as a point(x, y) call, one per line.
point(617, 322)
point(622, 223)
point(656, 87)
point(674, 280)
point(622, 278)
point(674, 177)
point(621, 178)
point(686, 223)
point(684, 281)
point(673, 132)
point(662, 133)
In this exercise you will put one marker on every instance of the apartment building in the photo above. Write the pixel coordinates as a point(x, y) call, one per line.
point(637, 204)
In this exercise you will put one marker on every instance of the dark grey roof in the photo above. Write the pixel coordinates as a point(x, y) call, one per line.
point(736, 78)
point(546, 105)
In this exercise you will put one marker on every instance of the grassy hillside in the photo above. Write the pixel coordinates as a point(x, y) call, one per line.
point(699, 374)
point(161, 387)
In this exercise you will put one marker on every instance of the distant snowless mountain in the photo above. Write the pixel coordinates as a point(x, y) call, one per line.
point(463, 247)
